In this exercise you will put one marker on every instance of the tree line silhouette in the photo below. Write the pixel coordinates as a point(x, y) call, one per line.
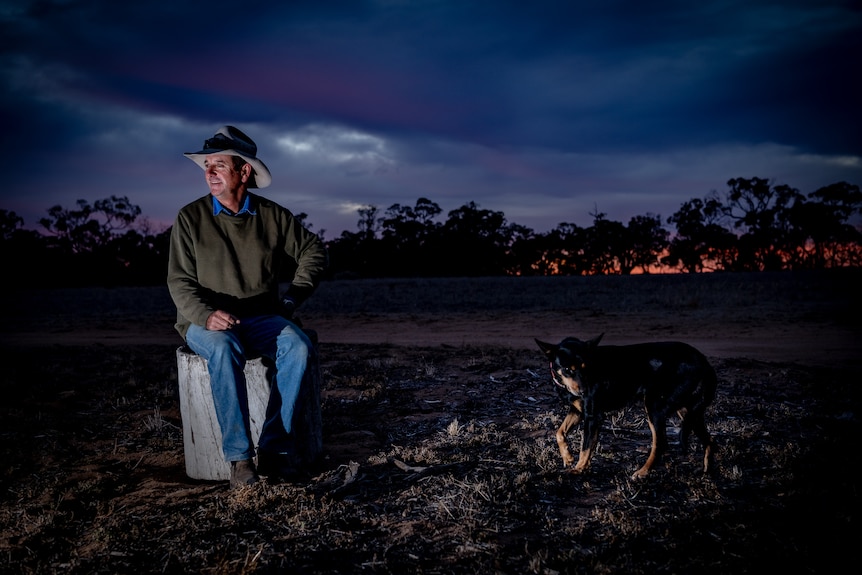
point(753, 226)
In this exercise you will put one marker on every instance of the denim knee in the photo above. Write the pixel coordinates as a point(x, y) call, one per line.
point(293, 345)
point(215, 346)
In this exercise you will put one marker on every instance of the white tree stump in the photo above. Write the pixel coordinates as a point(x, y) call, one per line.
point(202, 440)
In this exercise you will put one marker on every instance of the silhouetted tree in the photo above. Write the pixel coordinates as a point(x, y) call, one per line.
point(98, 244)
point(604, 246)
point(700, 243)
point(825, 239)
point(475, 241)
point(10, 222)
point(519, 254)
point(645, 241)
point(89, 227)
point(759, 210)
point(553, 253)
point(767, 227)
point(566, 253)
point(411, 238)
point(359, 254)
point(368, 222)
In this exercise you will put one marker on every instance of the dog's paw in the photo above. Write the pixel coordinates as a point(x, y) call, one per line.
point(640, 474)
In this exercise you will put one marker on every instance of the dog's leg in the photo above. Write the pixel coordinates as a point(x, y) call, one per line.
point(685, 423)
point(708, 456)
point(659, 443)
point(592, 424)
point(710, 382)
point(572, 419)
point(694, 420)
point(698, 425)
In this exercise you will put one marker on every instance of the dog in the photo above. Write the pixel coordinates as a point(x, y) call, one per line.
point(669, 376)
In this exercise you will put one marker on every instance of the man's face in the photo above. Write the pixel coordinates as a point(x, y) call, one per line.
point(222, 178)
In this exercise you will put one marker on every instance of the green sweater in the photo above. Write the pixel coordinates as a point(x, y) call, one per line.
point(236, 263)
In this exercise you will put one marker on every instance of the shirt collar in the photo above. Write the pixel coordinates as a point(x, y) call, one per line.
point(245, 209)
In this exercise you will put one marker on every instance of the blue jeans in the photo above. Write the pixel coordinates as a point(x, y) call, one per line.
point(270, 336)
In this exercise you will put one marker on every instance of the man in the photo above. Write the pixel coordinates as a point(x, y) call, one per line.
point(229, 250)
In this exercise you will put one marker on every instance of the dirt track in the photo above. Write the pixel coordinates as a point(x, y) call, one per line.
point(815, 320)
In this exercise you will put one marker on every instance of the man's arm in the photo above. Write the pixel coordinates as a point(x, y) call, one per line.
point(307, 249)
point(182, 275)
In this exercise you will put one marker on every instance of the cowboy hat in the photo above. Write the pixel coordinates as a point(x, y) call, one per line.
point(231, 141)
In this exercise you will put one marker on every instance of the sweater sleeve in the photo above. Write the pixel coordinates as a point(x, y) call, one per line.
point(182, 279)
point(311, 258)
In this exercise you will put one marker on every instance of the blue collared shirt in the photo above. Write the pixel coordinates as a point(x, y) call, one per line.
point(245, 209)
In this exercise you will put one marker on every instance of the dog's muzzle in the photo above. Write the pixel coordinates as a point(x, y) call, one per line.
point(565, 371)
point(554, 378)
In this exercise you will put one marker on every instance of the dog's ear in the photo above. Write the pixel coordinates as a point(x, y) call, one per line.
point(549, 349)
point(595, 341)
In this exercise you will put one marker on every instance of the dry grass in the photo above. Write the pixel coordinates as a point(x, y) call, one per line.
point(438, 461)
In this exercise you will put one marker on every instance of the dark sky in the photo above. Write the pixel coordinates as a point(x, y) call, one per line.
point(546, 111)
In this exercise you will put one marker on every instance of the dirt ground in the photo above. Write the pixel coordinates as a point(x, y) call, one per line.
point(439, 450)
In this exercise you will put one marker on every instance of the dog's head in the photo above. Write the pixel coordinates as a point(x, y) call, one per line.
point(568, 359)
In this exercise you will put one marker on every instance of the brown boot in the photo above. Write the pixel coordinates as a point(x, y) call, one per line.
point(242, 473)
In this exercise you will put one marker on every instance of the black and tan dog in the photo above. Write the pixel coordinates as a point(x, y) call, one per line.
point(669, 377)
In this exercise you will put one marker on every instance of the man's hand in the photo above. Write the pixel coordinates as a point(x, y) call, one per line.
point(221, 320)
point(288, 306)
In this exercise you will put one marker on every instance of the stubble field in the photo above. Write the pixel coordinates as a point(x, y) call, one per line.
point(439, 424)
